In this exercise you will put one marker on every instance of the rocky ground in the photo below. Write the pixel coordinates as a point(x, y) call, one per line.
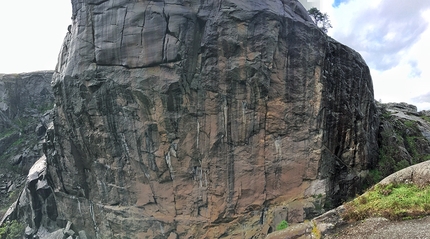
point(331, 224)
point(381, 228)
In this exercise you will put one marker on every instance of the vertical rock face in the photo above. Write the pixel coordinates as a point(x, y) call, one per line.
point(24, 100)
point(205, 119)
point(23, 96)
point(404, 139)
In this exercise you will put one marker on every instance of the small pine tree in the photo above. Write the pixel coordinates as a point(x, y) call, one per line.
point(321, 19)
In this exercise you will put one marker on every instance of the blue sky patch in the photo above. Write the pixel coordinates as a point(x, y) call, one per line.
point(338, 2)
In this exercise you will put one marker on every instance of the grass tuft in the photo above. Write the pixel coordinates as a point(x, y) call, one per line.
point(282, 225)
point(392, 201)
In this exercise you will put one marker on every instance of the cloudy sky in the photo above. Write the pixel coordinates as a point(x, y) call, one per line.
point(31, 33)
point(393, 36)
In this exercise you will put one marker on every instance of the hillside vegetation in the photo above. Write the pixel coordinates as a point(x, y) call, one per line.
point(392, 201)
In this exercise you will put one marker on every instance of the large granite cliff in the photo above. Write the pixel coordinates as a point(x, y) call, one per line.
point(199, 119)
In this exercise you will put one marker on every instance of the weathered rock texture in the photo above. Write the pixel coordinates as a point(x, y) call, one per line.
point(332, 224)
point(24, 100)
point(23, 96)
point(203, 119)
point(404, 139)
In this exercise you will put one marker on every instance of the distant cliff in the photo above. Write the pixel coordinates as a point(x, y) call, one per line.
point(24, 100)
point(213, 119)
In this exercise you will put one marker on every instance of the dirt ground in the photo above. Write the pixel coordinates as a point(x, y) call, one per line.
point(381, 228)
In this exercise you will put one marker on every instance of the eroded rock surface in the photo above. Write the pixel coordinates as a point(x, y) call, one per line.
point(25, 101)
point(190, 119)
point(404, 139)
point(22, 96)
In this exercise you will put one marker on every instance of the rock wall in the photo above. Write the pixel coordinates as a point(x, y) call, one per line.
point(404, 139)
point(23, 96)
point(24, 100)
point(203, 119)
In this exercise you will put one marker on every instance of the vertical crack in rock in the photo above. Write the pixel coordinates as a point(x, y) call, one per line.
point(165, 39)
point(93, 218)
point(169, 164)
point(208, 119)
point(123, 27)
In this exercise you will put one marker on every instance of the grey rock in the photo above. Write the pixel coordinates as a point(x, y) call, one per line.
point(29, 232)
point(68, 225)
point(11, 187)
point(69, 233)
point(8, 140)
point(43, 233)
point(404, 107)
point(185, 118)
point(418, 174)
point(205, 110)
point(40, 130)
point(82, 235)
point(404, 138)
point(24, 98)
point(332, 225)
point(16, 159)
point(21, 94)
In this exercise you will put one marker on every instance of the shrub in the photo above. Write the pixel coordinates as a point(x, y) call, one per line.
point(282, 225)
point(12, 230)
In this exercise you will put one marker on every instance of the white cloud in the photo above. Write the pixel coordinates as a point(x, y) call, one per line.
point(392, 36)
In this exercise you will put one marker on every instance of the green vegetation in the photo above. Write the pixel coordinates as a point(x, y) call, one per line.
point(425, 117)
point(45, 107)
point(411, 145)
point(414, 143)
point(282, 225)
point(7, 133)
point(13, 196)
point(386, 115)
point(321, 19)
point(387, 164)
point(409, 123)
point(392, 201)
point(23, 123)
point(401, 145)
point(12, 230)
point(375, 176)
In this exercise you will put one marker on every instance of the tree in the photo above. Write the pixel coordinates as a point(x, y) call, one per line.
point(321, 19)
